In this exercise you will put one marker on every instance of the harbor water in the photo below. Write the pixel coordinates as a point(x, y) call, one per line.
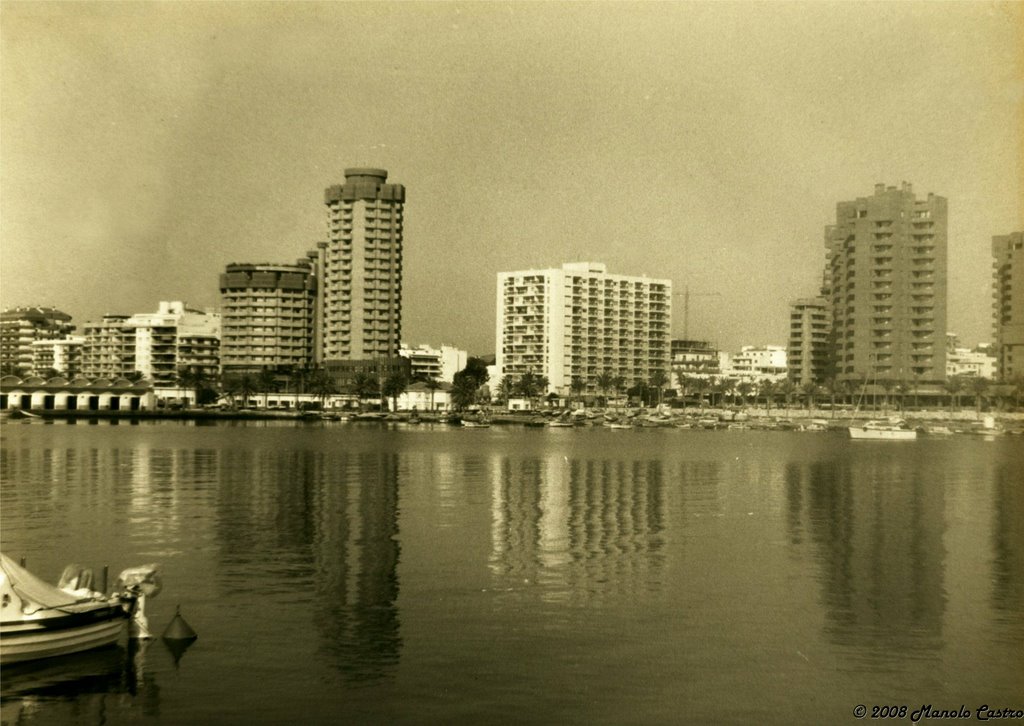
point(409, 574)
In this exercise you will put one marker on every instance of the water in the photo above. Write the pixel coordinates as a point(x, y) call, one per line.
point(357, 573)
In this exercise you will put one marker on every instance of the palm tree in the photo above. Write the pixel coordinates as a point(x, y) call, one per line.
point(394, 386)
point(246, 387)
point(768, 389)
point(577, 387)
point(953, 386)
point(808, 391)
point(979, 387)
point(618, 383)
point(506, 389)
point(605, 381)
point(700, 387)
point(744, 389)
point(267, 383)
point(321, 384)
point(682, 384)
point(658, 381)
point(787, 388)
point(432, 385)
point(193, 377)
point(364, 385)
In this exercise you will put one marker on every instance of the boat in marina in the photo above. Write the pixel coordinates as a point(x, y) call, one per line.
point(891, 430)
point(39, 620)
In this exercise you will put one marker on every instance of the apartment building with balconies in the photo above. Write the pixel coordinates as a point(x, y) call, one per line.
point(173, 338)
point(578, 322)
point(108, 349)
point(440, 364)
point(1008, 304)
point(360, 267)
point(886, 278)
point(22, 326)
point(63, 355)
point(267, 316)
point(808, 355)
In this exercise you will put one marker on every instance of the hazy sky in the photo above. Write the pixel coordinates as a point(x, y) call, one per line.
point(143, 146)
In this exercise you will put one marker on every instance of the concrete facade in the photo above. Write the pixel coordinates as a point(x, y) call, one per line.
point(755, 364)
point(359, 304)
point(886, 285)
point(173, 338)
point(267, 316)
point(578, 321)
point(808, 355)
point(109, 348)
point(63, 355)
point(439, 363)
point(21, 327)
point(1008, 304)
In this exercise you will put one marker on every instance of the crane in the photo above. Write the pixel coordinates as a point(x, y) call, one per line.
point(686, 307)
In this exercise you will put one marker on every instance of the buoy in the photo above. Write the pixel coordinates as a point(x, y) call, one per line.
point(178, 629)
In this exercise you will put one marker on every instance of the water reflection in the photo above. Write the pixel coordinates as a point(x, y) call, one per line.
point(84, 680)
point(578, 527)
point(301, 521)
point(876, 528)
point(1008, 543)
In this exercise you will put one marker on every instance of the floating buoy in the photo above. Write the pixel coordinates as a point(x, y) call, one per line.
point(178, 629)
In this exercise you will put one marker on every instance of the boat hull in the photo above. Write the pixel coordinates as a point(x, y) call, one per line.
point(875, 434)
point(30, 640)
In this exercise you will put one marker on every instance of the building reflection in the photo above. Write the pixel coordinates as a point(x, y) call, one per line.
point(577, 527)
point(876, 530)
point(1008, 540)
point(326, 523)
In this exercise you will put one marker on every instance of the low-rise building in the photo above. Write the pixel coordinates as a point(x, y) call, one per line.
point(438, 363)
point(755, 364)
point(694, 359)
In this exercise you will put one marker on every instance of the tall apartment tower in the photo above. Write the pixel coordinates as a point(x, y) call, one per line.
point(579, 322)
point(267, 316)
point(886, 278)
point(360, 269)
point(1008, 251)
point(808, 353)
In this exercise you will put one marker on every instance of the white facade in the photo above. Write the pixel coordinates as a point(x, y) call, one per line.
point(755, 363)
point(175, 337)
point(967, 362)
point(579, 322)
point(64, 355)
point(418, 397)
point(441, 364)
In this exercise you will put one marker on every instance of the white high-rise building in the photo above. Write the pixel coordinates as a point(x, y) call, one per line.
point(579, 323)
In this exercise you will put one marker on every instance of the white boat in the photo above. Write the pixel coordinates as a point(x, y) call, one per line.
point(40, 620)
point(883, 431)
point(476, 424)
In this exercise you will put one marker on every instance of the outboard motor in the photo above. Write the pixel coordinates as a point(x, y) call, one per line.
point(136, 584)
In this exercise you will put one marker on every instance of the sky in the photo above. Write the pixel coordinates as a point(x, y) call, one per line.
point(144, 146)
